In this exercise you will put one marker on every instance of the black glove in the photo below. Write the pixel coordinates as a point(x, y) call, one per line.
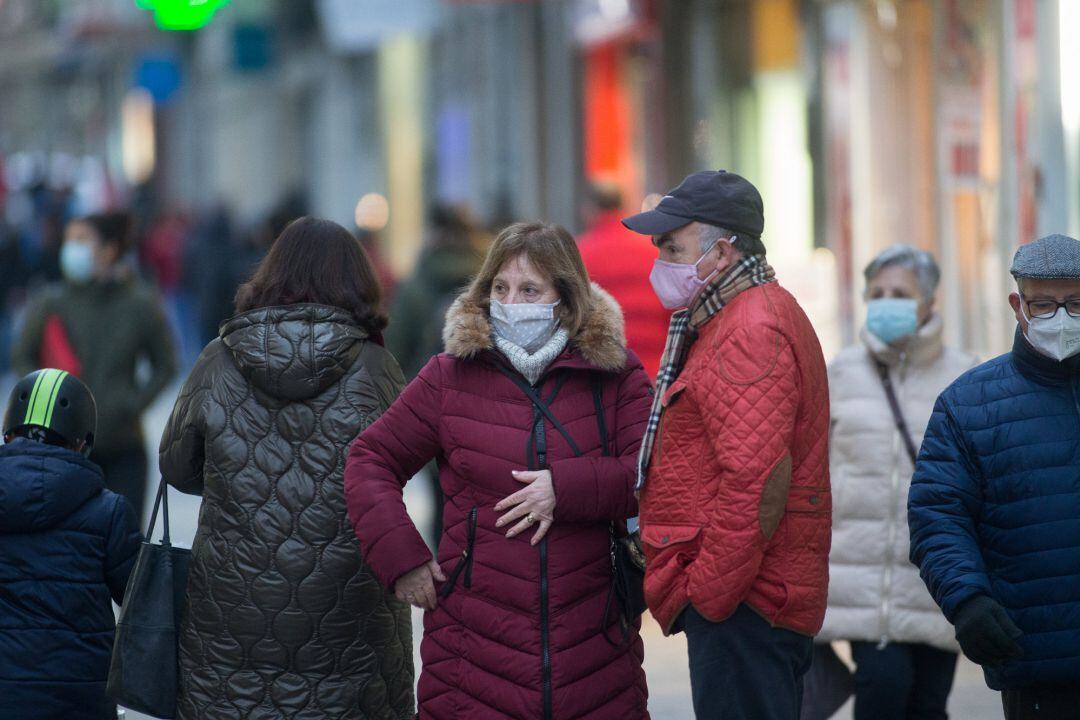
point(985, 632)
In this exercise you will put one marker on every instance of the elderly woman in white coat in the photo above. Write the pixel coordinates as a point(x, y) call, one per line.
point(882, 392)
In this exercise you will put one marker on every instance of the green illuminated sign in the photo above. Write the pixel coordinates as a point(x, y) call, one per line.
point(182, 14)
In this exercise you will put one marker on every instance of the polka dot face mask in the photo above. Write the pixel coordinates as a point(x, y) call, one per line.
point(527, 325)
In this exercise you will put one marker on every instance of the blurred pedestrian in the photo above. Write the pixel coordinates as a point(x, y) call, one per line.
point(994, 507)
point(445, 266)
point(619, 261)
point(882, 392)
point(517, 621)
point(284, 618)
point(734, 477)
point(67, 545)
point(102, 325)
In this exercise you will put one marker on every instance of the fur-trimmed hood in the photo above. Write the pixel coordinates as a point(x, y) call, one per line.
point(601, 341)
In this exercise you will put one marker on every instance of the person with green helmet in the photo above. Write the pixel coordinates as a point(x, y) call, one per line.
point(67, 547)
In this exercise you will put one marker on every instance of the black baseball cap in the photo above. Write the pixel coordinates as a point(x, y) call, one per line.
point(714, 197)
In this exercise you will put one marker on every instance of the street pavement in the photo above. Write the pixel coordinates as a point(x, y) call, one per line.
point(665, 658)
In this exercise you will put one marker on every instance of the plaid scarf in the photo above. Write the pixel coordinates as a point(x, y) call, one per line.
point(749, 272)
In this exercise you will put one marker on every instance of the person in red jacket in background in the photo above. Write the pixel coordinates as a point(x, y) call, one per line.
point(619, 261)
point(733, 472)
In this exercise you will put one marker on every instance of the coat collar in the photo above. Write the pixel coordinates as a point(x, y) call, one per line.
point(600, 343)
point(922, 348)
point(1039, 367)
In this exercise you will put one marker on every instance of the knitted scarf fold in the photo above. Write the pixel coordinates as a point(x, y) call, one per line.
point(749, 272)
point(532, 365)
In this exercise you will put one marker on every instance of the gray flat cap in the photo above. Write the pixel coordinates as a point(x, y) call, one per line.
point(1054, 257)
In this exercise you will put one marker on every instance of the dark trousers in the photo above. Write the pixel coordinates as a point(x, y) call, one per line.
point(1042, 702)
point(901, 681)
point(743, 668)
point(125, 474)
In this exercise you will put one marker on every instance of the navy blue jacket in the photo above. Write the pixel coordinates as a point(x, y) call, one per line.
point(67, 546)
point(994, 506)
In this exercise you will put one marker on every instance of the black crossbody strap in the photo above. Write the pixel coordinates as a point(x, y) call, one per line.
point(162, 502)
point(542, 406)
point(894, 405)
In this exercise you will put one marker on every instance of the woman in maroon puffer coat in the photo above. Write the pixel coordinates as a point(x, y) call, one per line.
point(515, 624)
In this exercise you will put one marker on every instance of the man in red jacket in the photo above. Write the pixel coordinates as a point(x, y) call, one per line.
point(619, 262)
point(733, 472)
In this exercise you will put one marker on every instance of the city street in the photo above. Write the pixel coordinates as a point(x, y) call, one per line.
point(665, 658)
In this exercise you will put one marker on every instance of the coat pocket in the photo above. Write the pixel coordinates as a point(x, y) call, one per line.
point(465, 563)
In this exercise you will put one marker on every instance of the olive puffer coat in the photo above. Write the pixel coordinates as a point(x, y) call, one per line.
point(517, 633)
point(284, 619)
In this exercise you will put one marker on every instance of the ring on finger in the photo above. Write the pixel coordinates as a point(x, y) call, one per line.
point(531, 518)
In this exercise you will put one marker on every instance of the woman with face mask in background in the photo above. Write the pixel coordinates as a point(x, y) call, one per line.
point(100, 324)
point(518, 621)
point(882, 392)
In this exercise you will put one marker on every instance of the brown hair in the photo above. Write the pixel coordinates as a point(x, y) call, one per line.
point(553, 252)
point(112, 228)
point(316, 261)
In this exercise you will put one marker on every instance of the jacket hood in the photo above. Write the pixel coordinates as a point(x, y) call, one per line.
point(601, 341)
point(293, 352)
point(40, 485)
point(923, 347)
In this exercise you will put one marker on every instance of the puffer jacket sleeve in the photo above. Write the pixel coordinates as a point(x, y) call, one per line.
point(748, 404)
point(122, 548)
point(381, 460)
point(943, 502)
point(602, 488)
point(181, 453)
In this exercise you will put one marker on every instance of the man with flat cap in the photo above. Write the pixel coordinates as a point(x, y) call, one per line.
point(994, 506)
point(733, 471)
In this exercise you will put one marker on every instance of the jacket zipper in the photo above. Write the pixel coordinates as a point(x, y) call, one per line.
point(545, 630)
point(465, 563)
point(886, 581)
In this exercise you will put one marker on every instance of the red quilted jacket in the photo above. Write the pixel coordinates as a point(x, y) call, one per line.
point(736, 508)
point(519, 635)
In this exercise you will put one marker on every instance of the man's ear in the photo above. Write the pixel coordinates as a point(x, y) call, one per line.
point(1014, 301)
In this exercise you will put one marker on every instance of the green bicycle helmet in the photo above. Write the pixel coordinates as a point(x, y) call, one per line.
point(58, 403)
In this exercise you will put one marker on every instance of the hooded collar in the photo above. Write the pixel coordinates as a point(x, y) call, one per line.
point(600, 344)
point(922, 348)
point(41, 484)
point(293, 352)
point(1043, 369)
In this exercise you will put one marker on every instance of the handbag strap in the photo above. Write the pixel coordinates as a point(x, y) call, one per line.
point(162, 502)
point(543, 407)
point(897, 413)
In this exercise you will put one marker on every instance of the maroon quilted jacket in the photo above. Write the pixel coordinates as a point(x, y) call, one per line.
point(736, 508)
point(519, 635)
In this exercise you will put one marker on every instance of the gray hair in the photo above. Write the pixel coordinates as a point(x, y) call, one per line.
point(919, 262)
point(710, 234)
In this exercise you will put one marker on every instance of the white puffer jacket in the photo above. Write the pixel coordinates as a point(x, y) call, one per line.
point(875, 593)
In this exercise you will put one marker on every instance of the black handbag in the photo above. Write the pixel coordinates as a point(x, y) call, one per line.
point(144, 667)
point(627, 557)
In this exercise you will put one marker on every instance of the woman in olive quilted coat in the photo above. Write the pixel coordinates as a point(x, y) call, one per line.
point(284, 619)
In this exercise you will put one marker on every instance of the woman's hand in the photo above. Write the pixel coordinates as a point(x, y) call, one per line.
point(534, 504)
point(417, 587)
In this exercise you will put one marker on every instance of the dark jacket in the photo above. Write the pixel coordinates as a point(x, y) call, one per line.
point(994, 507)
point(67, 546)
point(519, 634)
point(284, 619)
point(110, 326)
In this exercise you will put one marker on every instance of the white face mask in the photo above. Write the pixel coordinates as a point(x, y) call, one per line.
point(527, 325)
point(1057, 337)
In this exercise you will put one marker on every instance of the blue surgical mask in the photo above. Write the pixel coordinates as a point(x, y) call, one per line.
point(77, 262)
point(891, 319)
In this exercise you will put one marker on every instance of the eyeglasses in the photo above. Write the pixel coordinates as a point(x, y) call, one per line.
point(1043, 309)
